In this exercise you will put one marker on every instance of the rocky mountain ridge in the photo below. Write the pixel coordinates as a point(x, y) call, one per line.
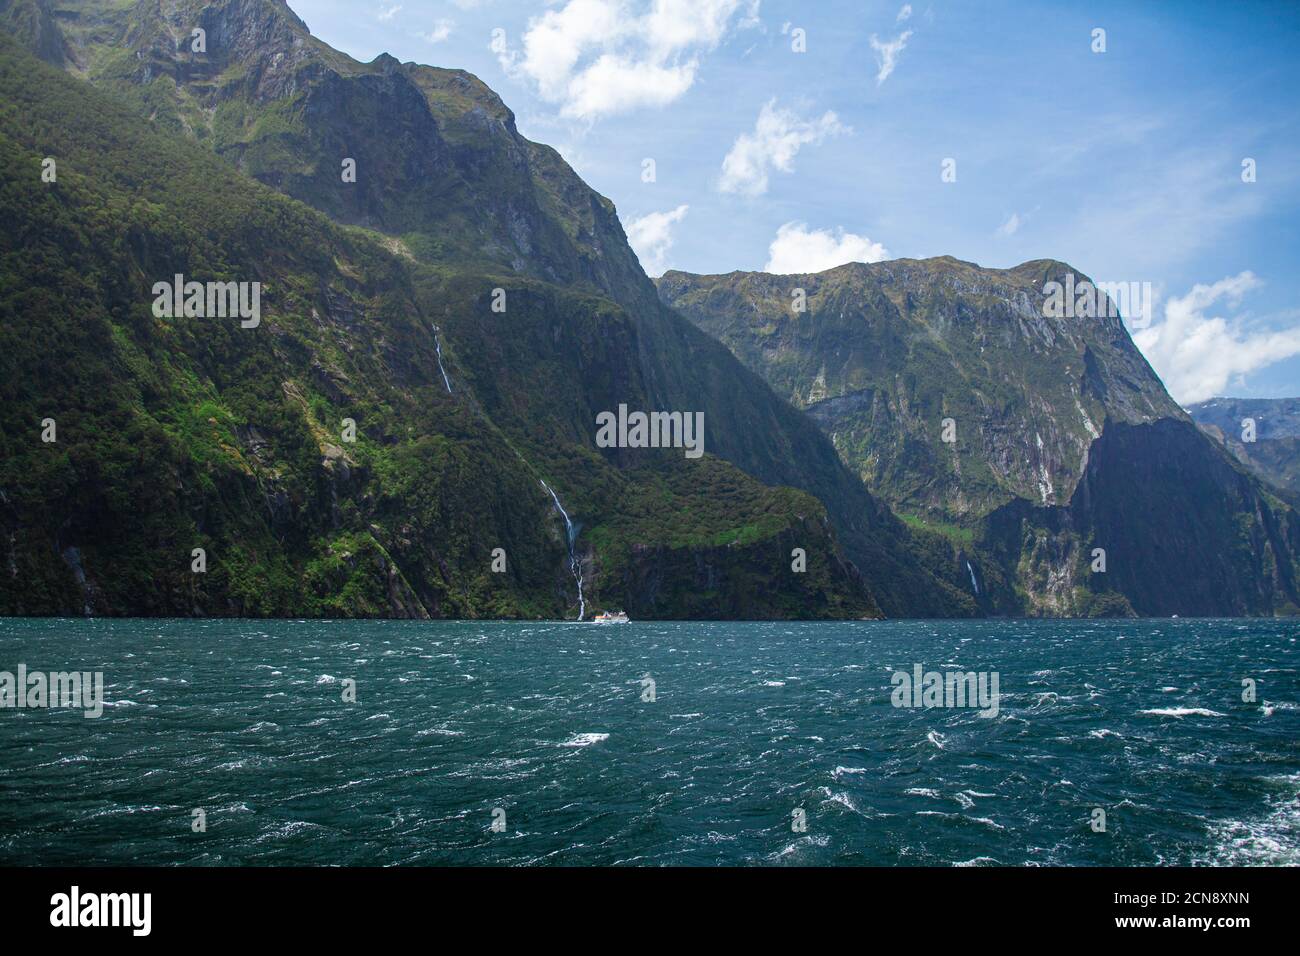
point(974, 408)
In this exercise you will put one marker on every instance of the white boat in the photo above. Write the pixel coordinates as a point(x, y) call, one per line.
point(610, 617)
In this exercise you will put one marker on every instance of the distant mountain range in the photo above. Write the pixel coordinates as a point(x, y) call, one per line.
point(1264, 434)
point(469, 305)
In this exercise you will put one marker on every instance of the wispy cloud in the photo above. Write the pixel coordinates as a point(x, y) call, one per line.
point(778, 136)
point(904, 13)
point(887, 54)
point(798, 250)
point(1011, 226)
point(387, 13)
point(651, 236)
point(1145, 223)
point(441, 30)
point(1198, 354)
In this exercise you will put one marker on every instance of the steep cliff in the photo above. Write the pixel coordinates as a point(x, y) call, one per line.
point(1027, 435)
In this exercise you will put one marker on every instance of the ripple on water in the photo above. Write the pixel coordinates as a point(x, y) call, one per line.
point(753, 720)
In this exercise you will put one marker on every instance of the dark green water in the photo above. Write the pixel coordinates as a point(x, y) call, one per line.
point(245, 719)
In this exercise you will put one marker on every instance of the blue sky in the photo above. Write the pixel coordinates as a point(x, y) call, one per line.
point(1126, 163)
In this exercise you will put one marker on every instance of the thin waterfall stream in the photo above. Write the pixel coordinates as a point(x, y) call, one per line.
point(437, 345)
point(574, 564)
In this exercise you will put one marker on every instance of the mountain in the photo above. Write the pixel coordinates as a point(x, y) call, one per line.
point(1026, 435)
point(1272, 451)
point(181, 434)
point(387, 209)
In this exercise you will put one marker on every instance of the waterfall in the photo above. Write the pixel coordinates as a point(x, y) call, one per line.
point(438, 347)
point(574, 564)
point(973, 582)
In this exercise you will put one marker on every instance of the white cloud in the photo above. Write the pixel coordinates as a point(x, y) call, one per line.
point(614, 84)
point(596, 58)
point(651, 237)
point(887, 54)
point(675, 25)
point(799, 250)
point(441, 30)
point(389, 12)
point(1011, 226)
point(1198, 355)
point(778, 135)
point(904, 13)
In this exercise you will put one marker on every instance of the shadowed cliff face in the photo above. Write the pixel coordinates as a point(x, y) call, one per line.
point(1060, 438)
point(1181, 527)
point(33, 23)
point(1203, 539)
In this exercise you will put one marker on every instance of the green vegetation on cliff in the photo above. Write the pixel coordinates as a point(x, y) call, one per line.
point(445, 182)
point(180, 433)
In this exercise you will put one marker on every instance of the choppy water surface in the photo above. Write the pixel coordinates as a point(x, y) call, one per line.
point(752, 720)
